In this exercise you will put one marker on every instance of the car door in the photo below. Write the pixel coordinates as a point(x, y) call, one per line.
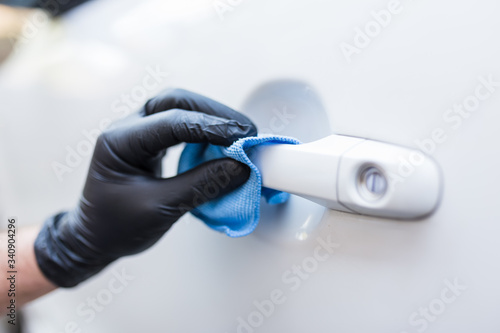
point(419, 74)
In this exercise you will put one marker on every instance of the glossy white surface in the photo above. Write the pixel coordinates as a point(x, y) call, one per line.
point(281, 107)
point(330, 171)
point(398, 89)
point(414, 184)
point(284, 167)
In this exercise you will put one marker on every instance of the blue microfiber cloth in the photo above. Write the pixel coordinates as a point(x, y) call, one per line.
point(237, 213)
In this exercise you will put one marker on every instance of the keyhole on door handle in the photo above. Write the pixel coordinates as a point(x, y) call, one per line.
point(372, 183)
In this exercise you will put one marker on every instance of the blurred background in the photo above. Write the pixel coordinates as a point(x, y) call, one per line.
point(64, 78)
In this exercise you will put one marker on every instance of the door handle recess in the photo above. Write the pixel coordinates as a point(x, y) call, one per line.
point(354, 175)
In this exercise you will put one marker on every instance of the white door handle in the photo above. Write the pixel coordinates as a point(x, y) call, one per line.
point(354, 175)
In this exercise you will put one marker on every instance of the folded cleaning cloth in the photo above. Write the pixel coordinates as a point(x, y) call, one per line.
point(237, 213)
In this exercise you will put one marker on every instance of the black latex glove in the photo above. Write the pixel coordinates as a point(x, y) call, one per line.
point(126, 206)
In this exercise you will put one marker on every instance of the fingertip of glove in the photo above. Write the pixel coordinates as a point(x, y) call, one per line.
point(240, 169)
point(238, 172)
point(239, 131)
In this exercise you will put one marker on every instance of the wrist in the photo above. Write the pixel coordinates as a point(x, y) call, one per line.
point(63, 254)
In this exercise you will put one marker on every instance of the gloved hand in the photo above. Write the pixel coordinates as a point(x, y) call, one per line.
point(126, 206)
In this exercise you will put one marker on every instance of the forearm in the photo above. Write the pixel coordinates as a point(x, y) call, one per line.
point(30, 283)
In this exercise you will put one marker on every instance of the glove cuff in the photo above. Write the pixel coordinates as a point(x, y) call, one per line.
point(63, 257)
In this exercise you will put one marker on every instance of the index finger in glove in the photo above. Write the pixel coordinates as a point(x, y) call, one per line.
point(143, 139)
point(190, 101)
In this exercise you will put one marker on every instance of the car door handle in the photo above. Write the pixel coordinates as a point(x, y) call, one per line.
point(354, 175)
